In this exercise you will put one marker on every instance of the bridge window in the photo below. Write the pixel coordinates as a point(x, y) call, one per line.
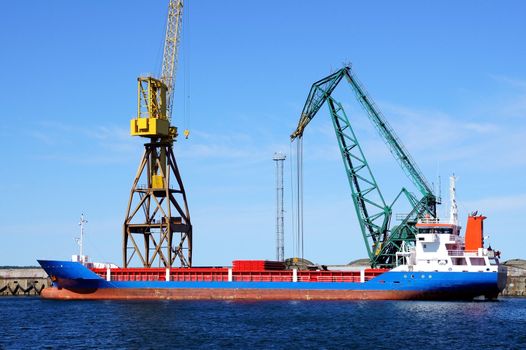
point(477, 261)
point(459, 261)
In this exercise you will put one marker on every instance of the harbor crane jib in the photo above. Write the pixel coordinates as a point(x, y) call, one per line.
point(382, 240)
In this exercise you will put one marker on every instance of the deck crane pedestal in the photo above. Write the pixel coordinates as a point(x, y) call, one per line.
point(382, 240)
point(157, 227)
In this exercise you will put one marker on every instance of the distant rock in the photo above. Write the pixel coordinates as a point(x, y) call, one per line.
point(360, 262)
point(516, 263)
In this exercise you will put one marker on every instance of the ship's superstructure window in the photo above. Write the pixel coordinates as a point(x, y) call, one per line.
point(448, 230)
point(459, 261)
point(477, 261)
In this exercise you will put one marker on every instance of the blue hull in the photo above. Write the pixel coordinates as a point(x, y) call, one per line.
point(76, 278)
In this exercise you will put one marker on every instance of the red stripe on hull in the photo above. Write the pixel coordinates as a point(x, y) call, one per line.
point(226, 294)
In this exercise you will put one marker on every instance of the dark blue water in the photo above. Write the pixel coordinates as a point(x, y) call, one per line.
point(33, 323)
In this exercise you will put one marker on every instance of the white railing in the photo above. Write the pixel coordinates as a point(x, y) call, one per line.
point(431, 220)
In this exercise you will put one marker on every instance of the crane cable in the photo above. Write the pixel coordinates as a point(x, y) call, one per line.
point(299, 198)
point(300, 181)
point(292, 197)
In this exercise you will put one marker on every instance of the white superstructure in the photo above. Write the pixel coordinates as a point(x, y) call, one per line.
point(440, 248)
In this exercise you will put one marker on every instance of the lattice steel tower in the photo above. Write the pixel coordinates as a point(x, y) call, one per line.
point(280, 246)
point(157, 227)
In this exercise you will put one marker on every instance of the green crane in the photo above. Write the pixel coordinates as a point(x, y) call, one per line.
point(374, 214)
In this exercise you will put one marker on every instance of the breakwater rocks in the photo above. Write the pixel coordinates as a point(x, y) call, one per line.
point(18, 281)
point(516, 283)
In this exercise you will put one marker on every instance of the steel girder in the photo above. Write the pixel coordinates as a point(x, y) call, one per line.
point(158, 212)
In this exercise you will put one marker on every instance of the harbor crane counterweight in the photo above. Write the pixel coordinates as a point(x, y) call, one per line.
point(374, 214)
point(157, 225)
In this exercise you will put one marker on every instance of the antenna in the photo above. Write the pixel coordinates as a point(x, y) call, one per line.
point(439, 188)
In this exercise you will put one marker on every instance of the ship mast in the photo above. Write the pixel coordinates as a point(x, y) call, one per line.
point(453, 211)
point(80, 241)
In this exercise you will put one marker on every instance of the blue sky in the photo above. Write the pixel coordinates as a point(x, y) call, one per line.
point(449, 76)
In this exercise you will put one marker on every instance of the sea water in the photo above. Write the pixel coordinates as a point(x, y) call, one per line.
point(28, 323)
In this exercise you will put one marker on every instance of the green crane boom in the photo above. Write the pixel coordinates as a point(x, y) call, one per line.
point(374, 214)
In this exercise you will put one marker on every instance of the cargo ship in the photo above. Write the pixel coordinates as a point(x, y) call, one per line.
point(420, 258)
point(442, 265)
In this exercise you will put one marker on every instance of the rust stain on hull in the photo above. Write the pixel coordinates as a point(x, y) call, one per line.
point(226, 294)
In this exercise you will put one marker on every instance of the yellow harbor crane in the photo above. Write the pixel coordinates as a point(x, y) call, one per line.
point(157, 227)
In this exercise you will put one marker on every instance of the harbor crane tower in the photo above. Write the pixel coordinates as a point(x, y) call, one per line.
point(157, 227)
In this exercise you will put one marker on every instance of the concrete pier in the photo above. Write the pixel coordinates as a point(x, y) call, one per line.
point(19, 281)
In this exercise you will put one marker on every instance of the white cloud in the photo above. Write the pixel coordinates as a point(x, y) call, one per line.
point(481, 128)
point(513, 82)
point(515, 203)
point(513, 105)
point(70, 143)
point(42, 137)
point(440, 136)
point(516, 107)
point(214, 150)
